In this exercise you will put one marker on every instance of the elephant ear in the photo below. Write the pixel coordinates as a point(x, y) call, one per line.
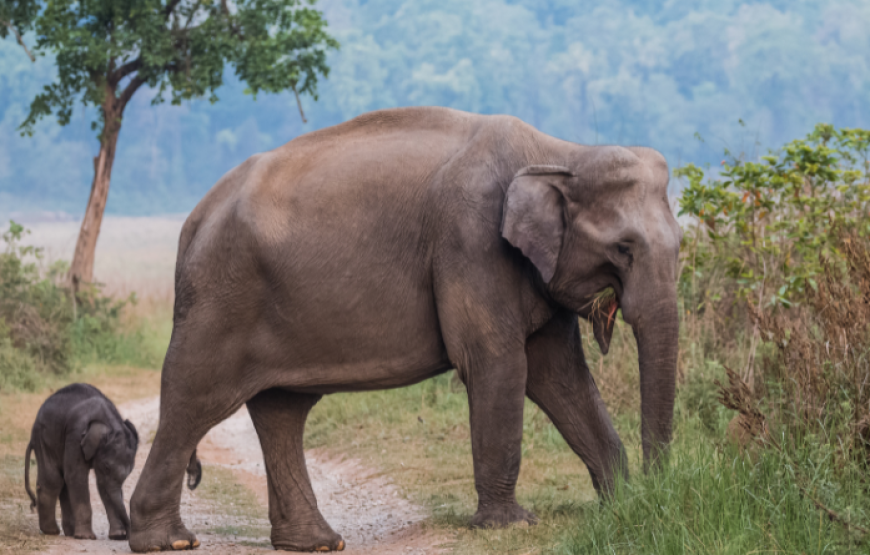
point(133, 437)
point(533, 220)
point(93, 438)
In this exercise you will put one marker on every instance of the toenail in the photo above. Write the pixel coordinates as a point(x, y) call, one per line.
point(322, 548)
point(340, 546)
point(195, 543)
point(180, 544)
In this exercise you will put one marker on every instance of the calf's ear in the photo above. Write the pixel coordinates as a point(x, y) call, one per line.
point(134, 435)
point(93, 438)
point(533, 218)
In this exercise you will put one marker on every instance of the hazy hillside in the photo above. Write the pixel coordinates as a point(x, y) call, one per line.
point(631, 72)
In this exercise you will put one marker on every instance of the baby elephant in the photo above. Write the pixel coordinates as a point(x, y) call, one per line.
point(77, 429)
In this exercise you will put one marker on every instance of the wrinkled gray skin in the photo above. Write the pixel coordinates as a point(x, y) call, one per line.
point(78, 429)
point(389, 249)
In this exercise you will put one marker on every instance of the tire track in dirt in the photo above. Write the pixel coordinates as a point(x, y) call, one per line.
point(358, 502)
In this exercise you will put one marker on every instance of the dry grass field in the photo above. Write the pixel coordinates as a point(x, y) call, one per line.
point(134, 254)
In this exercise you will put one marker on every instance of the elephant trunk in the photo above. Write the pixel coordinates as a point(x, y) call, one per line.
point(657, 335)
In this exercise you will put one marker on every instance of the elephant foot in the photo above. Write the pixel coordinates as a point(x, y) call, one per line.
point(85, 535)
point(51, 529)
point(307, 539)
point(502, 516)
point(175, 538)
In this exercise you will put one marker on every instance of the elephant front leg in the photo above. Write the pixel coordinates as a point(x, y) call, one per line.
point(297, 525)
point(496, 394)
point(112, 496)
point(560, 383)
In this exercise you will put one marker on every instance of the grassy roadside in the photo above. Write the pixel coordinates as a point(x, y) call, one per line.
point(710, 498)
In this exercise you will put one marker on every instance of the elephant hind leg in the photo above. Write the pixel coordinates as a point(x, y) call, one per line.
point(297, 525)
point(49, 484)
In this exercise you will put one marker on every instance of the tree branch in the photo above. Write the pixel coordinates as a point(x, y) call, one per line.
point(192, 13)
point(125, 70)
point(170, 7)
point(131, 88)
point(299, 103)
point(20, 40)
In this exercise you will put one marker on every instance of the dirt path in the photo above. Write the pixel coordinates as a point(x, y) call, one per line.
point(360, 504)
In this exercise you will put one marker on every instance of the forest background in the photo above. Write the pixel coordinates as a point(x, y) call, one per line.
point(690, 78)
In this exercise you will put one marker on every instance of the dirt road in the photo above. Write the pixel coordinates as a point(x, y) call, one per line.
point(358, 502)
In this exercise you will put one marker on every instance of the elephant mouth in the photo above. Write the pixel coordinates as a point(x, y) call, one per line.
point(604, 304)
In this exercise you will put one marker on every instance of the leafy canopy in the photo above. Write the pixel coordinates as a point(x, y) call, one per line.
point(774, 223)
point(179, 47)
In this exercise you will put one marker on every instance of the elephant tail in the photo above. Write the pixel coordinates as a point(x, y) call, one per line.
point(194, 472)
point(27, 476)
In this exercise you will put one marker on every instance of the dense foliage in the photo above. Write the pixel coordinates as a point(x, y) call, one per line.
point(779, 268)
point(774, 222)
point(629, 71)
point(174, 46)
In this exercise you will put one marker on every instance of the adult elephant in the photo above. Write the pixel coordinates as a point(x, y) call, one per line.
point(391, 248)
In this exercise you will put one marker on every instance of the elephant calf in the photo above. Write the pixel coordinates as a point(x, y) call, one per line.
point(76, 429)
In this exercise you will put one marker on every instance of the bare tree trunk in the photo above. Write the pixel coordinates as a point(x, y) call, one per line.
point(82, 268)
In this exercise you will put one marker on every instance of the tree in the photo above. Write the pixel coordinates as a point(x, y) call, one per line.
point(16, 16)
point(106, 50)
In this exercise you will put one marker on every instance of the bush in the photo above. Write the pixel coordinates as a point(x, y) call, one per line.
point(45, 330)
point(781, 257)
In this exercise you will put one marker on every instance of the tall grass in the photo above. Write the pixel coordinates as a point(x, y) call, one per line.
point(714, 500)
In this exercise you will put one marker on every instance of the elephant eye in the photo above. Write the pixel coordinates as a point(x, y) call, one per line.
point(623, 249)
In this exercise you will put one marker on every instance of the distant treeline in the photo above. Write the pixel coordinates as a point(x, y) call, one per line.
point(679, 75)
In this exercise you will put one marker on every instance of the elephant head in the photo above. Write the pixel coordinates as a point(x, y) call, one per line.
point(603, 220)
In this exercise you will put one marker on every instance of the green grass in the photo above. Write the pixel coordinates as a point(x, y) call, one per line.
point(140, 340)
point(419, 435)
point(708, 499)
point(713, 500)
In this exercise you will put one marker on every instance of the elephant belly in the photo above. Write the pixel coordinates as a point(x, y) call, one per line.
point(343, 327)
point(332, 349)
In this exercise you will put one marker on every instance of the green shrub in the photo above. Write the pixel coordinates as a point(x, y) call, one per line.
point(45, 330)
point(781, 258)
point(771, 224)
